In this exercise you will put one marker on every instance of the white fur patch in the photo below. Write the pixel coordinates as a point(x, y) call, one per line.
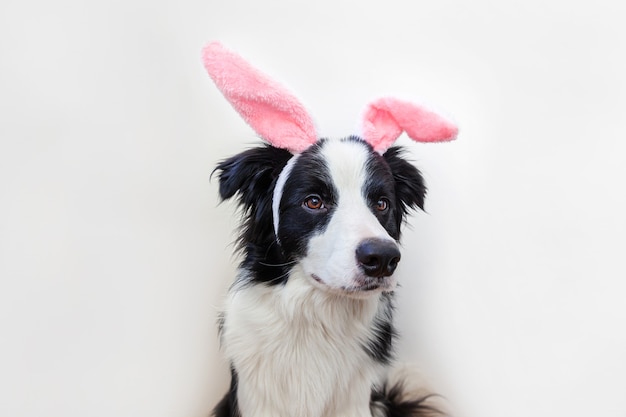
point(298, 351)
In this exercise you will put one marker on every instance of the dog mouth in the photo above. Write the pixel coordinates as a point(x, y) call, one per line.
point(362, 285)
point(363, 288)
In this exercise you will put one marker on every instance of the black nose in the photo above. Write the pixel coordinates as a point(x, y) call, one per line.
point(378, 258)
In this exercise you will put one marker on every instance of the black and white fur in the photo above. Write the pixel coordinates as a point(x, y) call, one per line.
point(308, 323)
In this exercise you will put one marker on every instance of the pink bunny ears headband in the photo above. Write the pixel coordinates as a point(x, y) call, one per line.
point(280, 119)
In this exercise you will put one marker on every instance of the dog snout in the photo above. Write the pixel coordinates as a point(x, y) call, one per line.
point(378, 258)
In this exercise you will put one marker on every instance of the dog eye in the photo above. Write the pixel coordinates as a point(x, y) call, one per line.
point(313, 202)
point(382, 204)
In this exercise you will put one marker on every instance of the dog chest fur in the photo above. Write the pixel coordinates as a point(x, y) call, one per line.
point(299, 351)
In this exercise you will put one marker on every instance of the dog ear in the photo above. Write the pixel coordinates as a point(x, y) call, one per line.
point(251, 175)
point(410, 187)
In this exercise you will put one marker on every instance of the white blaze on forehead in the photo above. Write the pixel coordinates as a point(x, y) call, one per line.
point(347, 164)
point(278, 191)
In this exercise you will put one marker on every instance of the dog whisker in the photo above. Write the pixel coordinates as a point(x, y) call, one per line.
point(278, 278)
point(283, 264)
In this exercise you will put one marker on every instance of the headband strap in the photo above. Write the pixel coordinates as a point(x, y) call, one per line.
point(278, 191)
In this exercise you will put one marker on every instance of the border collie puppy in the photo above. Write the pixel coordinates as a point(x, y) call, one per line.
point(308, 323)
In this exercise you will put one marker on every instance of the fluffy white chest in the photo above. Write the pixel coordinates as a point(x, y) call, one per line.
point(298, 351)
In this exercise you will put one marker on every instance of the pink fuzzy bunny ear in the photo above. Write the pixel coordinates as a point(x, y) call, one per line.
point(274, 113)
point(386, 118)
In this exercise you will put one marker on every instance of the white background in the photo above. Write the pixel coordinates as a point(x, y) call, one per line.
point(114, 255)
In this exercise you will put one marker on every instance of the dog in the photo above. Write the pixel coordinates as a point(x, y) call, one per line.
point(307, 326)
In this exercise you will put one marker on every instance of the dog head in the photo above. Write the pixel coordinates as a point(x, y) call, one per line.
point(335, 210)
point(331, 208)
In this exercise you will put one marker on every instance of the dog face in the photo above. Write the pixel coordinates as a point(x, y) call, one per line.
point(334, 210)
